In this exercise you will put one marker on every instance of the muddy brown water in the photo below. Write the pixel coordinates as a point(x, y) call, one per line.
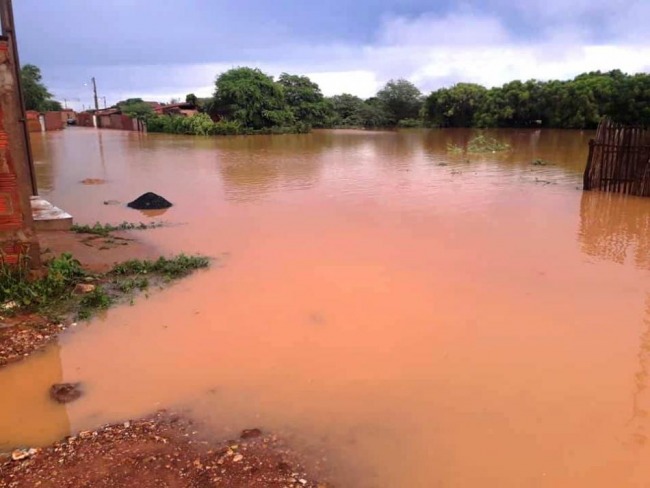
point(415, 318)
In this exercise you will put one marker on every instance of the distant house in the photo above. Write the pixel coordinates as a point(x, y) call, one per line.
point(104, 116)
point(184, 109)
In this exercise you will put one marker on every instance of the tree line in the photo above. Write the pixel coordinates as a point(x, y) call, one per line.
point(247, 101)
point(579, 103)
point(254, 101)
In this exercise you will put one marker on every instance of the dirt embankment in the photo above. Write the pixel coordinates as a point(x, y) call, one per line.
point(162, 451)
point(21, 335)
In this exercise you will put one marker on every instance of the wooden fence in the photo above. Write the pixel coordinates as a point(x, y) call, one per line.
point(619, 160)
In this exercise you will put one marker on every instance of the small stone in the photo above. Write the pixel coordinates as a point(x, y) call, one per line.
point(237, 458)
point(9, 305)
point(250, 433)
point(85, 434)
point(83, 288)
point(302, 481)
point(127, 424)
point(65, 392)
point(20, 454)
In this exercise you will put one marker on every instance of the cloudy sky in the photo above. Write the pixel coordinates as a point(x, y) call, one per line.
point(158, 49)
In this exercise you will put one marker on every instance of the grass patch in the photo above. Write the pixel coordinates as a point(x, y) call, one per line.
point(174, 268)
point(104, 230)
point(96, 300)
point(128, 285)
point(19, 292)
point(53, 295)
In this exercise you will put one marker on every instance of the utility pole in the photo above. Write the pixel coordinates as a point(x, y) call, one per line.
point(104, 101)
point(65, 103)
point(95, 94)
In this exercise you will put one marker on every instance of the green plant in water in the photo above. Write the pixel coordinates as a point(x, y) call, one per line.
point(483, 144)
point(104, 230)
point(170, 268)
point(454, 149)
point(128, 285)
point(97, 299)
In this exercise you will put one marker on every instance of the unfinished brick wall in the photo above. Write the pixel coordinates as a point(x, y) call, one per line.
point(17, 237)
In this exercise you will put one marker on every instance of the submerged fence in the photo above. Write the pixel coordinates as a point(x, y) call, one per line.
point(619, 160)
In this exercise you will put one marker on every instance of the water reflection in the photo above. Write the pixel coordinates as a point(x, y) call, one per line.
point(258, 166)
point(615, 227)
point(18, 408)
point(43, 165)
point(641, 401)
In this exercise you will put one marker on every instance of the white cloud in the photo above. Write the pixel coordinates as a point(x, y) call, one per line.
point(431, 51)
point(361, 83)
point(453, 29)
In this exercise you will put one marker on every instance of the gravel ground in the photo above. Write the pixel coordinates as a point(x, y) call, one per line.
point(164, 450)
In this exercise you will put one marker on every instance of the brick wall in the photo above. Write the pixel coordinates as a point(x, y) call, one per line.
point(17, 237)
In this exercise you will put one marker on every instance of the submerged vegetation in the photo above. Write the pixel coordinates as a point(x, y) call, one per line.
point(174, 268)
point(67, 289)
point(479, 144)
point(483, 144)
point(248, 101)
point(104, 230)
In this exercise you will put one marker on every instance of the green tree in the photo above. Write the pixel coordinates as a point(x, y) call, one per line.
point(37, 97)
point(305, 100)
point(191, 98)
point(456, 106)
point(346, 110)
point(136, 108)
point(401, 100)
point(252, 98)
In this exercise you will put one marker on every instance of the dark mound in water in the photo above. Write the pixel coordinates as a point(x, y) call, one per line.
point(149, 201)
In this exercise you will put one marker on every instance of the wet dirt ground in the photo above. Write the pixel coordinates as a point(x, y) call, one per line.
point(22, 334)
point(415, 317)
point(163, 451)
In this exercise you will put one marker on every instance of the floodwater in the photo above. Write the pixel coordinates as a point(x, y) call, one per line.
point(415, 317)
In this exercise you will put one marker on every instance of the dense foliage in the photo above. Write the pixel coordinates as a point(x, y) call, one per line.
point(37, 97)
point(401, 100)
point(574, 104)
point(252, 99)
point(304, 99)
point(248, 101)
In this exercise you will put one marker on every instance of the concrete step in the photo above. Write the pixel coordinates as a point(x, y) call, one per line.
point(48, 217)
